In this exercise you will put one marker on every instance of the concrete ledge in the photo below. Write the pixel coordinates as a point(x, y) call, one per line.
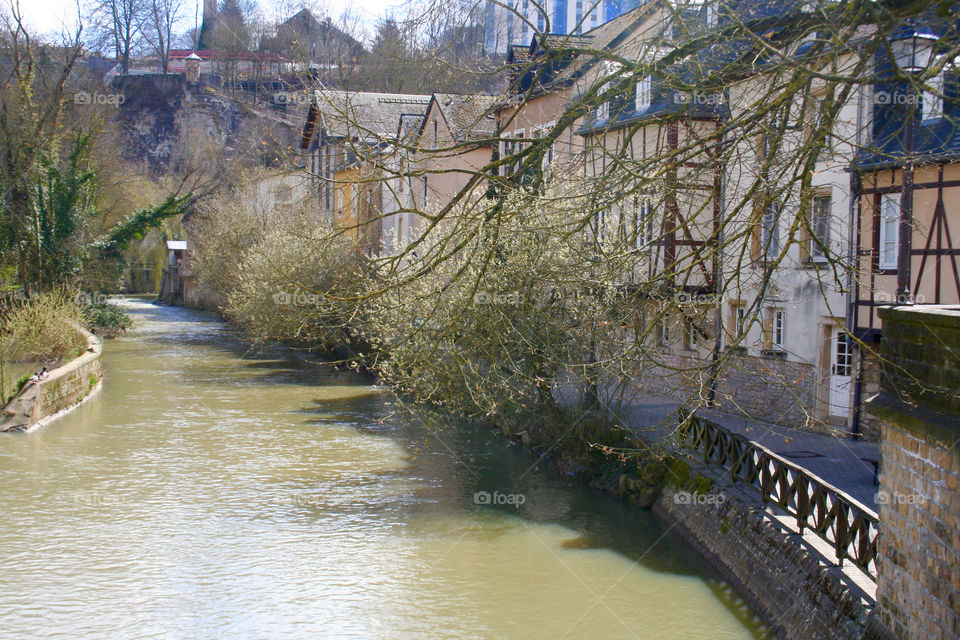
point(68, 386)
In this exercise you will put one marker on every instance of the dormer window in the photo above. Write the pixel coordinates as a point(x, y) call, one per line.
point(644, 93)
point(690, 15)
point(933, 98)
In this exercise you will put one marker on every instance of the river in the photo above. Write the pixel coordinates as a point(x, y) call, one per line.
point(212, 492)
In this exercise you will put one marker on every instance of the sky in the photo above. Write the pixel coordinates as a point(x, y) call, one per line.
point(45, 16)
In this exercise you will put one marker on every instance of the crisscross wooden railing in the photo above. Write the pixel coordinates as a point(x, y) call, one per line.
point(847, 525)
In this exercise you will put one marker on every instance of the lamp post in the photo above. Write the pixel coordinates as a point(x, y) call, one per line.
point(912, 51)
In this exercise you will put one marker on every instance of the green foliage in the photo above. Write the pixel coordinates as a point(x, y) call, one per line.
point(18, 385)
point(105, 319)
point(136, 226)
point(64, 203)
point(41, 328)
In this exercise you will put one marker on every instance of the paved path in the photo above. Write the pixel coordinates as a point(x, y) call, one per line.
point(845, 463)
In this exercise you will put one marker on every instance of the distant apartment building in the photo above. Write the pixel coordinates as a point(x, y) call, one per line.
point(516, 22)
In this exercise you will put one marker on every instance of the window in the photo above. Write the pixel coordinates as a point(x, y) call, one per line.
point(774, 328)
point(842, 355)
point(665, 334)
point(737, 324)
point(820, 126)
point(436, 137)
point(777, 335)
point(770, 232)
point(933, 99)
point(644, 93)
point(424, 192)
point(820, 229)
point(643, 224)
point(603, 215)
point(507, 148)
point(579, 17)
point(549, 152)
point(771, 134)
point(889, 231)
point(602, 111)
point(328, 177)
point(691, 334)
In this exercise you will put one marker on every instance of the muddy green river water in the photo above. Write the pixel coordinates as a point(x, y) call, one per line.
point(211, 492)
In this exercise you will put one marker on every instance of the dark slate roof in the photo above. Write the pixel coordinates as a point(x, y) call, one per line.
point(365, 115)
point(470, 117)
point(934, 139)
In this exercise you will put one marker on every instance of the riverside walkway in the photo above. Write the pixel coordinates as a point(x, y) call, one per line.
point(847, 464)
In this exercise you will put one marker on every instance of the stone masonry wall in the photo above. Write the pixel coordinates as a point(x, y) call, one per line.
point(918, 564)
point(794, 593)
point(66, 388)
point(870, 425)
point(769, 388)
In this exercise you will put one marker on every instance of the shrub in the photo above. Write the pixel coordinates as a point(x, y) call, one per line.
point(105, 319)
point(41, 328)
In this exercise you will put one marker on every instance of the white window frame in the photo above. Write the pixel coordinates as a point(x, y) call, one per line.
point(778, 329)
point(739, 320)
point(643, 224)
point(691, 334)
point(644, 93)
point(602, 112)
point(933, 100)
point(664, 330)
point(550, 154)
point(820, 215)
point(603, 222)
point(508, 146)
point(770, 231)
point(889, 222)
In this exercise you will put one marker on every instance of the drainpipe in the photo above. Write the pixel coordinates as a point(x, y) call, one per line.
point(853, 292)
point(853, 284)
point(714, 374)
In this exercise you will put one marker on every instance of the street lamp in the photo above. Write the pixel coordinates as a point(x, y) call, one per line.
point(912, 51)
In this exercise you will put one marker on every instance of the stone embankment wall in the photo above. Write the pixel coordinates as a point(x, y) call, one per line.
point(66, 388)
point(918, 590)
point(792, 589)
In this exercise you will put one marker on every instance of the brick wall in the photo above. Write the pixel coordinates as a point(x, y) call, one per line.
point(918, 586)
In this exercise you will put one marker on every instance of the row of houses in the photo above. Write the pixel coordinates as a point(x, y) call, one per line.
point(778, 213)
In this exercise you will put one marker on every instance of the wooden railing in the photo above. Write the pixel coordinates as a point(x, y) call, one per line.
point(847, 525)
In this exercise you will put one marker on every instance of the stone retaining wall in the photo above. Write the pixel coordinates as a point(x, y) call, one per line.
point(789, 586)
point(66, 388)
point(770, 388)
